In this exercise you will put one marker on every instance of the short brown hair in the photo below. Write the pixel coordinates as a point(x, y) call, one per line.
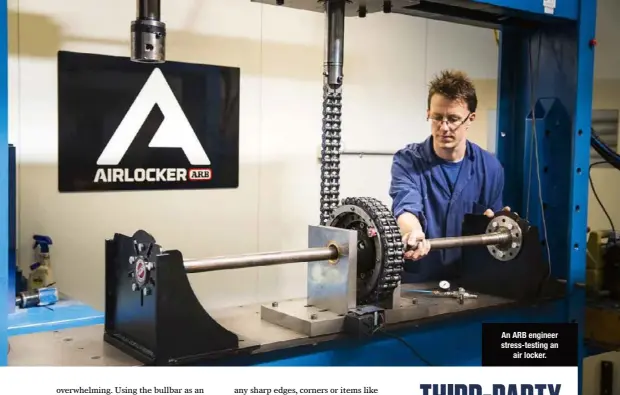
point(454, 85)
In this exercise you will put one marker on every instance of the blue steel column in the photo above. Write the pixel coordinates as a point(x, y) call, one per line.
point(4, 180)
point(579, 170)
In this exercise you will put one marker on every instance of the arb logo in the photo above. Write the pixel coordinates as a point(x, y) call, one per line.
point(199, 174)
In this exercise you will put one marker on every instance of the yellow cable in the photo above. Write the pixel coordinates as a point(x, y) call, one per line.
point(496, 33)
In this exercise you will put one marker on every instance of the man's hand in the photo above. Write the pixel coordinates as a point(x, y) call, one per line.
point(489, 213)
point(419, 246)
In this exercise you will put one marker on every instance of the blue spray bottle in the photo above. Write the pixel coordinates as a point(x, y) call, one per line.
point(41, 270)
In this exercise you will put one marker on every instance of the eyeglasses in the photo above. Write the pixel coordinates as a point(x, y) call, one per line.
point(453, 121)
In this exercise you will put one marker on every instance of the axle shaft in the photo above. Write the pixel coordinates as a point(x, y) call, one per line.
point(323, 253)
point(474, 240)
point(262, 259)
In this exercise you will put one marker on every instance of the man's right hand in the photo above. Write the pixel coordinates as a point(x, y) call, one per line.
point(416, 245)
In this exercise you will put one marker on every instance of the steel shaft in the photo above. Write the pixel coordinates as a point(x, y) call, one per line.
point(148, 33)
point(260, 259)
point(473, 240)
point(334, 42)
point(148, 9)
point(322, 253)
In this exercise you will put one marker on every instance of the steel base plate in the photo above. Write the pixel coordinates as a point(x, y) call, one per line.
point(297, 316)
point(416, 306)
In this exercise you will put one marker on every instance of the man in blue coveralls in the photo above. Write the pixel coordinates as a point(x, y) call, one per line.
point(436, 182)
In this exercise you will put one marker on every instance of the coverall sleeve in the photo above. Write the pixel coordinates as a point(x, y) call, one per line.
point(405, 190)
point(497, 190)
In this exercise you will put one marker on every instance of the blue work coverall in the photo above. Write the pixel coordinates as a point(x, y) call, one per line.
point(440, 193)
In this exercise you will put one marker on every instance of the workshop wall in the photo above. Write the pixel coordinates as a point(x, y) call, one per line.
point(280, 54)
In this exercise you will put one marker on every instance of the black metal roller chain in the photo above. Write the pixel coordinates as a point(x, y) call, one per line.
point(392, 260)
point(330, 152)
point(387, 229)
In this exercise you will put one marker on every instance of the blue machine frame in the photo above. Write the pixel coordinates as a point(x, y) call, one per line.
point(546, 75)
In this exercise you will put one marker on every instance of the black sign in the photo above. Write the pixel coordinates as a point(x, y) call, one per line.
point(130, 126)
point(530, 344)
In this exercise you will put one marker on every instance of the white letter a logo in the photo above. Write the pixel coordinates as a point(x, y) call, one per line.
point(174, 132)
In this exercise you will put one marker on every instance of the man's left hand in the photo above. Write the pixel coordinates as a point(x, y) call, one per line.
point(489, 213)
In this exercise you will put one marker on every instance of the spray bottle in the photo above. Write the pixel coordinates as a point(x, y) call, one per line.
point(41, 270)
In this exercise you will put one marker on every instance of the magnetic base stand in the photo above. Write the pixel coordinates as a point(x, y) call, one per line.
point(152, 313)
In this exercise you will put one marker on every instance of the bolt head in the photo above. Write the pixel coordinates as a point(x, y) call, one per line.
point(514, 245)
point(134, 287)
point(494, 224)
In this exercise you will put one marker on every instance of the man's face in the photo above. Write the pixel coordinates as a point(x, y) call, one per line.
point(449, 122)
